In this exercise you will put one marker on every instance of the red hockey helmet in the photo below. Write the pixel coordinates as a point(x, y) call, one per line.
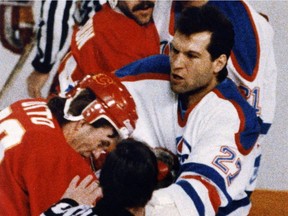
point(113, 102)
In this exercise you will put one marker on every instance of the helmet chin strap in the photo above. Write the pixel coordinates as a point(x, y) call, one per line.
point(113, 3)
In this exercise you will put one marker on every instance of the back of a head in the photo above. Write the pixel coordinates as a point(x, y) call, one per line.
point(208, 18)
point(129, 175)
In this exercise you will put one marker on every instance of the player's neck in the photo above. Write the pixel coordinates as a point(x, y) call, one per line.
point(191, 98)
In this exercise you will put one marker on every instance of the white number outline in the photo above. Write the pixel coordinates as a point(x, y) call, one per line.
point(11, 132)
point(222, 162)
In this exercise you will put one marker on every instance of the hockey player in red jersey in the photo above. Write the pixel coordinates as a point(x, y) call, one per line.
point(43, 145)
point(115, 36)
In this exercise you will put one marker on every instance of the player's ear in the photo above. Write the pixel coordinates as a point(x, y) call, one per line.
point(219, 63)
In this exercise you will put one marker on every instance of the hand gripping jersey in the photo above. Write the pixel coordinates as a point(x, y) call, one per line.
point(36, 164)
point(214, 140)
point(252, 63)
point(107, 42)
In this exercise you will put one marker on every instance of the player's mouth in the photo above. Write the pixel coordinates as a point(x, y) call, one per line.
point(176, 78)
point(145, 11)
point(144, 6)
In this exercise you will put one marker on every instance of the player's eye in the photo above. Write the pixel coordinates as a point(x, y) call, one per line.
point(191, 55)
point(104, 144)
point(173, 49)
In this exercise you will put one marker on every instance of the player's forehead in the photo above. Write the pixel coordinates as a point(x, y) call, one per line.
point(196, 42)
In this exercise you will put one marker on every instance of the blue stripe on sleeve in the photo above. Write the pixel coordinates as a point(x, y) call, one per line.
point(193, 195)
point(151, 64)
point(222, 211)
point(257, 161)
point(251, 131)
point(245, 47)
point(209, 173)
point(264, 126)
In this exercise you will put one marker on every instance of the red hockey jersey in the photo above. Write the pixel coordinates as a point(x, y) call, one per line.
point(36, 163)
point(111, 40)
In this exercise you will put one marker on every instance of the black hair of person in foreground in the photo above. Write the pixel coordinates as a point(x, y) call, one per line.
point(127, 179)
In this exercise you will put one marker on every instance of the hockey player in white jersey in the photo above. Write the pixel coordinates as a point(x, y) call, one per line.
point(216, 130)
point(252, 59)
point(204, 119)
point(252, 64)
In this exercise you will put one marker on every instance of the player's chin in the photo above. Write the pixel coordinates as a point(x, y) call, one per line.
point(175, 90)
point(143, 19)
point(176, 87)
point(85, 154)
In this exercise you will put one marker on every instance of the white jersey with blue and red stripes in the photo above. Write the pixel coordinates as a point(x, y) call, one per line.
point(252, 64)
point(215, 140)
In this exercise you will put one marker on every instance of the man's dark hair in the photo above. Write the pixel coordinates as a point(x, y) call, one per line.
point(128, 177)
point(208, 18)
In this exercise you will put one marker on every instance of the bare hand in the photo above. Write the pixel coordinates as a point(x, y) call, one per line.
point(35, 83)
point(86, 193)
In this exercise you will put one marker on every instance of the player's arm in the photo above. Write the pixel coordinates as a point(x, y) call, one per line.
point(212, 174)
point(68, 207)
point(252, 59)
point(54, 32)
point(267, 68)
point(53, 40)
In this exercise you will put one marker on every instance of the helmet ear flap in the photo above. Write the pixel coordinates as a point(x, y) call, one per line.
point(113, 3)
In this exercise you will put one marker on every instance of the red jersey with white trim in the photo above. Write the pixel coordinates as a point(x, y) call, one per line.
point(36, 164)
point(252, 64)
point(108, 41)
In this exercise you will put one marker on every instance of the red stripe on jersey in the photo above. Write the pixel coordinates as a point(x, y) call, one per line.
point(146, 76)
point(183, 120)
point(212, 192)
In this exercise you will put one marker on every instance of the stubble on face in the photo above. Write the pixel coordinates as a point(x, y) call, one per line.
point(191, 65)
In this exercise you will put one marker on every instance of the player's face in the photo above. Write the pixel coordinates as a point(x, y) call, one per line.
point(88, 140)
point(139, 10)
point(192, 70)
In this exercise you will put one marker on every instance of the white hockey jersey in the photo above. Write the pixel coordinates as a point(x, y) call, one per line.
point(215, 139)
point(252, 64)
